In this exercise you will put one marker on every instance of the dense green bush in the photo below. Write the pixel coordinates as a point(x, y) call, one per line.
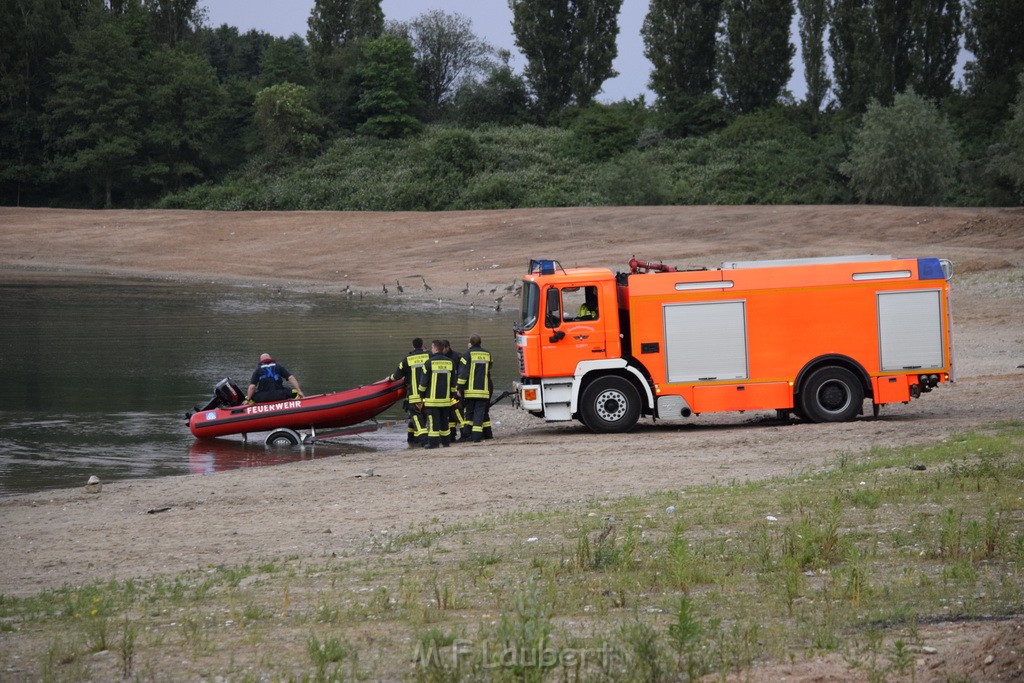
point(903, 154)
point(287, 121)
point(764, 158)
point(604, 131)
point(761, 158)
point(632, 180)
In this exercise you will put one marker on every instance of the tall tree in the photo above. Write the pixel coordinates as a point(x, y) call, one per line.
point(95, 111)
point(813, 20)
point(895, 38)
point(500, 98)
point(994, 36)
point(1014, 166)
point(175, 20)
point(388, 88)
point(937, 29)
point(544, 35)
point(183, 110)
point(569, 47)
point(32, 32)
point(755, 53)
point(335, 24)
point(286, 60)
point(234, 55)
point(336, 30)
point(287, 121)
point(853, 46)
point(679, 40)
point(447, 53)
point(594, 48)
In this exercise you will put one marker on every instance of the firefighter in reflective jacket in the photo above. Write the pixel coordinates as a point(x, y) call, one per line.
point(411, 369)
point(456, 419)
point(437, 387)
point(475, 388)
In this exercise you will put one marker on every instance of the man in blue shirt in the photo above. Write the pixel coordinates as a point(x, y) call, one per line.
point(267, 382)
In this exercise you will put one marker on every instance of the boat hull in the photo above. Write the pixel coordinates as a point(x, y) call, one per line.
point(338, 409)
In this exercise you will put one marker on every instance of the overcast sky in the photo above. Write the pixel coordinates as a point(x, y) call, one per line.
point(492, 21)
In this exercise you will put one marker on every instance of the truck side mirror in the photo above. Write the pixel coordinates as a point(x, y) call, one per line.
point(558, 336)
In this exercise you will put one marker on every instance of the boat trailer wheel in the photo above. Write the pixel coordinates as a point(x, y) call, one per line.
point(283, 437)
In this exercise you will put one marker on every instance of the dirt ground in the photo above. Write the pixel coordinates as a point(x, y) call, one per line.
point(317, 507)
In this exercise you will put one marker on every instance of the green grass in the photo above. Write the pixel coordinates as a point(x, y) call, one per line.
point(847, 561)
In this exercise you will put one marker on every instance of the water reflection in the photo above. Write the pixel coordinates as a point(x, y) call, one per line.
point(100, 372)
point(219, 455)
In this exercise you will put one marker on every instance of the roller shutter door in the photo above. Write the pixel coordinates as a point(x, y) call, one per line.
point(910, 330)
point(706, 341)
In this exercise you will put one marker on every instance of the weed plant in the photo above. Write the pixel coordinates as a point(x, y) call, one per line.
point(673, 585)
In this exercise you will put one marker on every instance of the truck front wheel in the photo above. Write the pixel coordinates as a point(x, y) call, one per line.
point(831, 394)
point(610, 404)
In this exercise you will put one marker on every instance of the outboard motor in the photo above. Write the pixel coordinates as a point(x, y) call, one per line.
point(225, 394)
point(228, 392)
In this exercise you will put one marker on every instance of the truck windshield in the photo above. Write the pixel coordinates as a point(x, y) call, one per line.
point(531, 305)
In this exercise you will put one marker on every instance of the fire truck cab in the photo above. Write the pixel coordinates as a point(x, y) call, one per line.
point(813, 337)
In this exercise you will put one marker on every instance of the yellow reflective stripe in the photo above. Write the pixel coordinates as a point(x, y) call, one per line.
point(440, 392)
point(479, 366)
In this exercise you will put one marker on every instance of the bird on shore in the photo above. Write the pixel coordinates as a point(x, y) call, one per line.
point(494, 289)
point(384, 286)
point(510, 287)
point(497, 308)
point(466, 290)
point(498, 300)
point(426, 287)
point(400, 287)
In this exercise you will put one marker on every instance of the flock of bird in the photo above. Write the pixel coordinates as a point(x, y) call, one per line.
point(515, 289)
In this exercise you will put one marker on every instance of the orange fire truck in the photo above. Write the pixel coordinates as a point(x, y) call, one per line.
point(811, 337)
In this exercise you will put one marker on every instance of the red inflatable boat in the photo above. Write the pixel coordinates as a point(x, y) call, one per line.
point(226, 414)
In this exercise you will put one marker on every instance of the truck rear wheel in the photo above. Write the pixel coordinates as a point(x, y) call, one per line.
point(610, 404)
point(831, 394)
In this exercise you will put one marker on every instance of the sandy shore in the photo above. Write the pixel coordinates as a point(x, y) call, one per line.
point(314, 508)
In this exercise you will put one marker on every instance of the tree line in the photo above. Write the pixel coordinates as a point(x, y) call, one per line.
point(131, 102)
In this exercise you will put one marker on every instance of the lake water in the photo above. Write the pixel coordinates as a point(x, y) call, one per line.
point(100, 372)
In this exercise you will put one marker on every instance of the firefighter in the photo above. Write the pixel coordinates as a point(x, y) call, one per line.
point(457, 419)
point(437, 386)
point(411, 369)
point(588, 309)
point(267, 382)
point(475, 388)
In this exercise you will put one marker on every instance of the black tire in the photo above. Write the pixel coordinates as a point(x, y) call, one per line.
point(610, 404)
point(282, 437)
point(831, 394)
